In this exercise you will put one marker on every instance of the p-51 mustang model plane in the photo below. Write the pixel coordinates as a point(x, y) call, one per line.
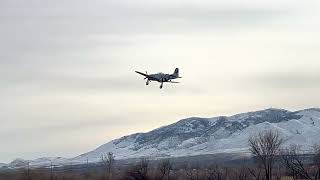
point(161, 77)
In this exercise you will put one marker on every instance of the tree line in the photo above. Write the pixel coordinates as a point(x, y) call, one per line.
point(272, 161)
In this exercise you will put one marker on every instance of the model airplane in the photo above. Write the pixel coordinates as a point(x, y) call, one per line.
point(161, 77)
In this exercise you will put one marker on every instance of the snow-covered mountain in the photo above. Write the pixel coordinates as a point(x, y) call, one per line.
point(197, 136)
point(40, 162)
point(3, 165)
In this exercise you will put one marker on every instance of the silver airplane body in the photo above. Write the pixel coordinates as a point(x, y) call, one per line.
point(161, 77)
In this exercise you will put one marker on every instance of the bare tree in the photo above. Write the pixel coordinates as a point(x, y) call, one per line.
point(139, 171)
point(242, 173)
point(107, 160)
point(255, 172)
point(214, 173)
point(192, 174)
point(28, 171)
point(189, 172)
point(192, 171)
point(165, 167)
point(316, 159)
point(265, 146)
point(294, 163)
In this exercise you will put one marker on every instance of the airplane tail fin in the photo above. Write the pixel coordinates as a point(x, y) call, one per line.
point(176, 72)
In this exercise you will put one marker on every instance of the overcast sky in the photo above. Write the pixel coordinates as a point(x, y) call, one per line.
point(67, 81)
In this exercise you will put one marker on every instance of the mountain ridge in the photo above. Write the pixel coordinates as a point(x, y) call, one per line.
point(200, 136)
point(194, 131)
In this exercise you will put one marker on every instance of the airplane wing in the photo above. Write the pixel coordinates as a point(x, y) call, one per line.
point(143, 74)
point(172, 82)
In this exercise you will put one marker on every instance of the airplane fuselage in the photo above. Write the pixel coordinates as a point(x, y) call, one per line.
point(161, 77)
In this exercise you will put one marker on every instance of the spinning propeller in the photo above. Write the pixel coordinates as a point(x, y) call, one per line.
point(146, 74)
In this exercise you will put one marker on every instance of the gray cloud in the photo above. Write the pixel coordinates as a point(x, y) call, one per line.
point(286, 80)
point(70, 83)
point(111, 17)
point(68, 66)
